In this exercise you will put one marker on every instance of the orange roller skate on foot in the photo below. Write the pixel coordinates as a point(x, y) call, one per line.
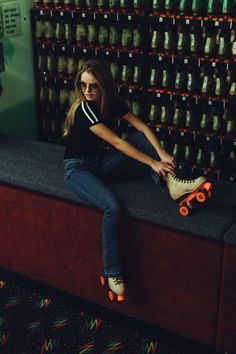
point(116, 285)
point(188, 191)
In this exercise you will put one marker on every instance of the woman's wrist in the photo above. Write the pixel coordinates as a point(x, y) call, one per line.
point(161, 152)
point(152, 163)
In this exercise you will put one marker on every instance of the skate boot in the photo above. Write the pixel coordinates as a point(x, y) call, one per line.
point(186, 191)
point(116, 285)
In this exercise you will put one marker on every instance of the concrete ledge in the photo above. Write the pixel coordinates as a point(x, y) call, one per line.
point(230, 235)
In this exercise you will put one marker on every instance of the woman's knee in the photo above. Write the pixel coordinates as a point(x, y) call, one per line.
point(139, 140)
point(112, 207)
point(138, 136)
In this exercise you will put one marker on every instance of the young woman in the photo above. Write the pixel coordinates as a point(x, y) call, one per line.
point(86, 163)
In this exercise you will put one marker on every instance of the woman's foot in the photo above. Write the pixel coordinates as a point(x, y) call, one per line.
point(116, 286)
point(178, 187)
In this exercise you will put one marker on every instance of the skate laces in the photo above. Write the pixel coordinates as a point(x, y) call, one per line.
point(177, 179)
point(117, 280)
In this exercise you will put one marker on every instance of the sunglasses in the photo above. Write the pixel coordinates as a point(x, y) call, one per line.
point(91, 87)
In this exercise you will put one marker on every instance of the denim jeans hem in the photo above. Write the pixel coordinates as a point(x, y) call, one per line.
point(111, 275)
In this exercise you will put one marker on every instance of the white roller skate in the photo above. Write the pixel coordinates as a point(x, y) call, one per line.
point(185, 191)
point(116, 285)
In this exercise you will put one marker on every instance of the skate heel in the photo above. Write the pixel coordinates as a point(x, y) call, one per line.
point(111, 294)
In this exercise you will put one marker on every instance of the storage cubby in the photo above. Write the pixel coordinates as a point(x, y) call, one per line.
point(173, 61)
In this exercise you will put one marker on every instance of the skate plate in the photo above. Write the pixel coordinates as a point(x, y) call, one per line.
point(112, 296)
point(200, 195)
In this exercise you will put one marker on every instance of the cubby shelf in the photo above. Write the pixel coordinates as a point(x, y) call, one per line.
point(217, 35)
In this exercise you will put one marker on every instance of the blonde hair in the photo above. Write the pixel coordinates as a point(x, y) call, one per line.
point(101, 71)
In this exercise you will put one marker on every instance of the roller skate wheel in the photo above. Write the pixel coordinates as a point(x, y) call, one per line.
point(111, 295)
point(201, 197)
point(120, 298)
point(102, 280)
point(184, 210)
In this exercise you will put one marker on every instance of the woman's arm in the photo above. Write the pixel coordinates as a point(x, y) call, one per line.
point(152, 138)
point(128, 149)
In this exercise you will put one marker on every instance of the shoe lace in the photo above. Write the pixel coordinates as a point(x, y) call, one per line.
point(118, 280)
point(183, 180)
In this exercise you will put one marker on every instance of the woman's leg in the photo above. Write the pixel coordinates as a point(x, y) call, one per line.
point(140, 141)
point(114, 158)
point(90, 188)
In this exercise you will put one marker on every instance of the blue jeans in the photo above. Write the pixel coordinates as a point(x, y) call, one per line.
point(85, 177)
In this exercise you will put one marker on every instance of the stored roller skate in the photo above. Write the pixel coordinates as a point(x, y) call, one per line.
point(188, 191)
point(116, 285)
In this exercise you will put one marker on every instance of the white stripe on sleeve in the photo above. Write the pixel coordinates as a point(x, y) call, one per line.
point(95, 117)
point(87, 115)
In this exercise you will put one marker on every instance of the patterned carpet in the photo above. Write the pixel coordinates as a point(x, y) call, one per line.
point(32, 323)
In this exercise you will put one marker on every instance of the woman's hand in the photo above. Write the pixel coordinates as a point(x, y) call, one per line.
point(162, 168)
point(168, 159)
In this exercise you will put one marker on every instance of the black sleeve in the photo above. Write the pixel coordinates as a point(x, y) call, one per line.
point(87, 114)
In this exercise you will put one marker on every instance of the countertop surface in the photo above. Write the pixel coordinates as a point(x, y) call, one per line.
point(38, 166)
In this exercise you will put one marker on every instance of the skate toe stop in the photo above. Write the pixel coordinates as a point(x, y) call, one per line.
point(111, 295)
point(120, 298)
point(102, 280)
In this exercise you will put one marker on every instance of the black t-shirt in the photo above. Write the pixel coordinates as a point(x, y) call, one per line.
point(81, 141)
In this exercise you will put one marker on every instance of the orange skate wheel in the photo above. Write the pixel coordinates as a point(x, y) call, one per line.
point(201, 197)
point(184, 210)
point(102, 280)
point(111, 295)
point(120, 298)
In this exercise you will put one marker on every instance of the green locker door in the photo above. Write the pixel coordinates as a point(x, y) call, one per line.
point(17, 100)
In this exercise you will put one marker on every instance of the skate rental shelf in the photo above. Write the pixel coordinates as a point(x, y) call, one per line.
point(173, 62)
point(180, 270)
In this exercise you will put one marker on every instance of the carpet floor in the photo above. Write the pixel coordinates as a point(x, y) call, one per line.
point(36, 319)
